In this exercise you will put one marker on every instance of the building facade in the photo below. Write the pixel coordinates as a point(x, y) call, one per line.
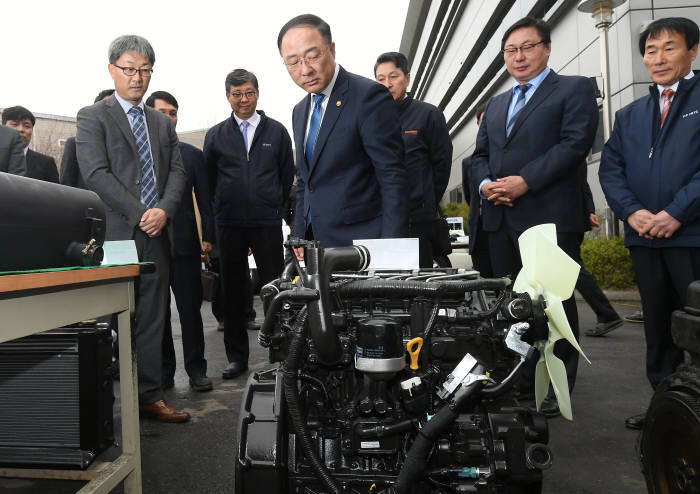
point(453, 47)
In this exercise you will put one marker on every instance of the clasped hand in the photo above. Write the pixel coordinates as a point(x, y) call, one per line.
point(153, 221)
point(650, 225)
point(504, 191)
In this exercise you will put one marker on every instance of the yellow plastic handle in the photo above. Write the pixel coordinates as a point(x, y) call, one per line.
point(413, 347)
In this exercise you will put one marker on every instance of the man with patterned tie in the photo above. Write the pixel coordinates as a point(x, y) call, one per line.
point(128, 154)
point(530, 158)
point(250, 165)
point(351, 181)
point(650, 173)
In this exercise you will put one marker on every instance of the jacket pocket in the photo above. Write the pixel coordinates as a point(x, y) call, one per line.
point(362, 212)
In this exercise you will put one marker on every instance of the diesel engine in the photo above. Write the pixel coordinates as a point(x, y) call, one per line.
point(391, 382)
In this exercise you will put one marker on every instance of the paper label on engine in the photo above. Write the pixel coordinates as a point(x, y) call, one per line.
point(369, 444)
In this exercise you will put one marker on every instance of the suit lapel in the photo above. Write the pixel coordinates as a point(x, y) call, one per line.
point(115, 111)
point(334, 107)
point(500, 108)
point(300, 117)
point(543, 91)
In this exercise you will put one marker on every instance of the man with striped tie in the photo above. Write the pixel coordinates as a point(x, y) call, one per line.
point(530, 159)
point(128, 154)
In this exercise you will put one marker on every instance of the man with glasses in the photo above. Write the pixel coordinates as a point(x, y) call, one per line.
point(128, 154)
point(251, 168)
point(529, 162)
point(351, 180)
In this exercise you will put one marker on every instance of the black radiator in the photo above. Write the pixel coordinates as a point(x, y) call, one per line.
point(56, 397)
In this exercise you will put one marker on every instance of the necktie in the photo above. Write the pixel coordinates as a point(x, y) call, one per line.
point(149, 196)
point(667, 94)
point(314, 125)
point(244, 130)
point(519, 104)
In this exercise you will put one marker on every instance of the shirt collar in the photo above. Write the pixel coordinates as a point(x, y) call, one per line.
point(126, 105)
point(254, 120)
point(535, 81)
point(674, 87)
point(25, 150)
point(329, 88)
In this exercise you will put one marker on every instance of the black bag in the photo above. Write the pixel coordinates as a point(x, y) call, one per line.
point(210, 282)
point(442, 243)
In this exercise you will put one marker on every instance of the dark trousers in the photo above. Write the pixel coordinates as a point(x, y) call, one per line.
point(151, 292)
point(663, 276)
point(505, 259)
point(481, 252)
point(186, 284)
point(266, 244)
point(218, 304)
point(424, 231)
point(594, 296)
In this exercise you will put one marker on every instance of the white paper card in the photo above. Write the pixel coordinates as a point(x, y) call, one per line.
point(391, 253)
point(120, 252)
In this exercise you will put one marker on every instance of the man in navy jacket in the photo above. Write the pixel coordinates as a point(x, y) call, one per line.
point(530, 149)
point(185, 259)
point(251, 169)
point(427, 151)
point(650, 173)
point(351, 177)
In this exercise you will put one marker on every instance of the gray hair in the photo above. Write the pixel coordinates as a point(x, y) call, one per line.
point(130, 42)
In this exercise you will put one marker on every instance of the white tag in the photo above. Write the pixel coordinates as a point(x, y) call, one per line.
point(369, 444)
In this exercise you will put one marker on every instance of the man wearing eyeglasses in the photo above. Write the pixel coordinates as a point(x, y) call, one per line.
point(128, 154)
point(351, 181)
point(250, 164)
point(530, 159)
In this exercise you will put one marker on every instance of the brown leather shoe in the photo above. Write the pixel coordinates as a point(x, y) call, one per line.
point(160, 410)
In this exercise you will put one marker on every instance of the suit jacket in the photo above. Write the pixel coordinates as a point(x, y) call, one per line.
point(184, 235)
point(547, 146)
point(11, 152)
point(41, 167)
point(355, 183)
point(110, 165)
point(70, 172)
point(471, 197)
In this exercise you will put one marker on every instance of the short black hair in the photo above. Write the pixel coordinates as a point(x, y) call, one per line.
point(542, 27)
point(480, 110)
point(399, 59)
point(165, 96)
point(239, 77)
point(17, 113)
point(103, 94)
point(306, 20)
point(680, 25)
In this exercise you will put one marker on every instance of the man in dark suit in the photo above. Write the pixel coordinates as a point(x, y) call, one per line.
point(427, 151)
point(532, 143)
point(39, 166)
point(11, 152)
point(250, 165)
point(70, 172)
point(186, 259)
point(128, 154)
point(478, 238)
point(650, 173)
point(351, 181)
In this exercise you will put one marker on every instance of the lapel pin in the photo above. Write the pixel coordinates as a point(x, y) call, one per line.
point(338, 103)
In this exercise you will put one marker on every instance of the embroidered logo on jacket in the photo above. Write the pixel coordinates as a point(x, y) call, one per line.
point(410, 131)
point(694, 112)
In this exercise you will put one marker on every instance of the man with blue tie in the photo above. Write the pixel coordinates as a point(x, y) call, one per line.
point(251, 168)
point(530, 158)
point(128, 154)
point(351, 180)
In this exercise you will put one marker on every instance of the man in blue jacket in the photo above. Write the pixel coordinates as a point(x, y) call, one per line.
point(185, 259)
point(427, 151)
point(251, 169)
point(650, 173)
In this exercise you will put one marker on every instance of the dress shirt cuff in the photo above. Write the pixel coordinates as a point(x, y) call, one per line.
point(483, 182)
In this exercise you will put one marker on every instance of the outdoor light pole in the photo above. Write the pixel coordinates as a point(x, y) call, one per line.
point(601, 11)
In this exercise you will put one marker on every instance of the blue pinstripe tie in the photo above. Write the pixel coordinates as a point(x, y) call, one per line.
point(149, 196)
point(314, 125)
point(519, 104)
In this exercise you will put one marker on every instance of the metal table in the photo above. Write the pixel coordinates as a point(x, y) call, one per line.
point(35, 302)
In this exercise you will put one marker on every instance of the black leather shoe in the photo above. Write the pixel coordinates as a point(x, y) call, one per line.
point(550, 407)
point(234, 369)
point(603, 328)
point(635, 316)
point(220, 326)
point(635, 422)
point(168, 382)
point(253, 326)
point(201, 383)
